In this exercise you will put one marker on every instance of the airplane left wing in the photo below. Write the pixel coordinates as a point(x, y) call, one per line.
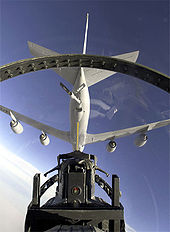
point(64, 135)
point(94, 138)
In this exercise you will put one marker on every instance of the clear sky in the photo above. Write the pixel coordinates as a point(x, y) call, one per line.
point(115, 27)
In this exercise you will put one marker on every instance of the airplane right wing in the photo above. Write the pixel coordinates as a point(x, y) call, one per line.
point(94, 138)
point(64, 135)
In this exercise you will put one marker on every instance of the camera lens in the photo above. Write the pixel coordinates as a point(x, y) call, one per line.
point(75, 190)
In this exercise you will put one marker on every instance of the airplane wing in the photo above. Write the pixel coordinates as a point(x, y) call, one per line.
point(64, 135)
point(94, 138)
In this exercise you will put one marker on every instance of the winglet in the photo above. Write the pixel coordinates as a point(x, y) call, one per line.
point(85, 37)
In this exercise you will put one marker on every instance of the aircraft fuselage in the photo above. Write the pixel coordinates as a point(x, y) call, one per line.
point(79, 112)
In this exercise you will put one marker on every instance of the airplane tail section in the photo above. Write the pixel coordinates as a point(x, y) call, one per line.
point(130, 56)
point(69, 75)
point(92, 75)
point(37, 50)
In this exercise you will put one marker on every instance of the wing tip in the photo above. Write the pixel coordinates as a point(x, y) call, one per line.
point(129, 56)
point(29, 43)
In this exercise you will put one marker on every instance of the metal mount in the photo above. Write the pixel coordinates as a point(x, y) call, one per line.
point(92, 61)
point(79, 207)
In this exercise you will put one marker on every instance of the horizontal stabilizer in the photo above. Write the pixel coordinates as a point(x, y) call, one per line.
point(69, 74)
point(94, 138)
point(130, 56)
point(64, 135)
point(94, 76)
point(37, 50)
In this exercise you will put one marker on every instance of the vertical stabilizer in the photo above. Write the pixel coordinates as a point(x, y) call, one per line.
point(85, 37)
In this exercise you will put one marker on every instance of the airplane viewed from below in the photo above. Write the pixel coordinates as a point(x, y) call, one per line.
point(81, 79)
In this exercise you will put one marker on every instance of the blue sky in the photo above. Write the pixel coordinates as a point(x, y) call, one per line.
point(115, 27)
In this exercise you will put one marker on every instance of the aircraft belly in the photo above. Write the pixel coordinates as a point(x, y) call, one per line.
point(79, 113)
point(78, 129)
point(79, 123)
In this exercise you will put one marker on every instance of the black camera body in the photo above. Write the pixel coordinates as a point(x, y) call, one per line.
point(76, 183)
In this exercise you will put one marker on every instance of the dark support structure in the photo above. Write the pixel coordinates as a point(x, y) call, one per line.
point(115, 199)
point(116, 192)
point(36, 191)
point(139, 71)
point(75, 205)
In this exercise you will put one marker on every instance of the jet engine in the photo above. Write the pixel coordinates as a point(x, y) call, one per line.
point(44, 139)
point(16, 127)
point(141, 140)
point(111, 146)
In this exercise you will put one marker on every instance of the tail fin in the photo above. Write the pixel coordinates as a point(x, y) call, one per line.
point(85, 37)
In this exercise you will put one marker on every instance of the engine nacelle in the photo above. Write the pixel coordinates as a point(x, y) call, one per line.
point(141, 140)
point(111, 146)
point(16, 127)
point(44, 139)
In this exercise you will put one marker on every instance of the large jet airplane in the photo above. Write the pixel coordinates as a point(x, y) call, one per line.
point(81, 79)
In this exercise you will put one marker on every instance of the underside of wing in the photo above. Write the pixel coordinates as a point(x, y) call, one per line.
point(64, 135)
point(93, 138)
